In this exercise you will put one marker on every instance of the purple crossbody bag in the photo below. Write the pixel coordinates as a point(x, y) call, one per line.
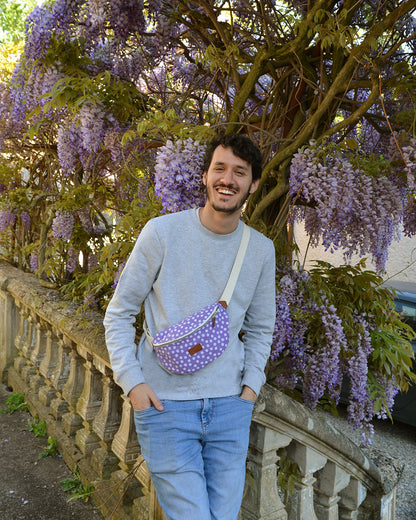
point(193, 343)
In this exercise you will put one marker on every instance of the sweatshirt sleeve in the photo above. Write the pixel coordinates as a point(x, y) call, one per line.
point(259, 324)
point(134, 285)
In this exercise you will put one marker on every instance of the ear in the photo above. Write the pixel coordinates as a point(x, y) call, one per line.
point(204, 178)
point(254, 185)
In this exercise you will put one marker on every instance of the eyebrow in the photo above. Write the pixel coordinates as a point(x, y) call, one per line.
point(240, 166)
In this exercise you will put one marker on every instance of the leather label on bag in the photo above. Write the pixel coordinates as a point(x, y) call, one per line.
point(196, 348)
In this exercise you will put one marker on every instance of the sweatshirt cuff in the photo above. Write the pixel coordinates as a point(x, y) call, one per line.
point(254, 380)
point(130, 378)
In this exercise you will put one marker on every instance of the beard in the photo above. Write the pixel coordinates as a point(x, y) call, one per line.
point(231, 209)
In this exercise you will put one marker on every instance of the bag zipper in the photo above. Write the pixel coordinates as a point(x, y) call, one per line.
point(210, 317)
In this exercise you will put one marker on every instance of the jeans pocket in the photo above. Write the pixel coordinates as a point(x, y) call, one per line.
point(143, 410)
point(241, 400)
point(150, 409)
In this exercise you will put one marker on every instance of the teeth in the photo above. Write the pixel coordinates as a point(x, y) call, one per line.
point(226, 192)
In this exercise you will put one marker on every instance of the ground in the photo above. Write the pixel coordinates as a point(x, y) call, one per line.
point(31, 487)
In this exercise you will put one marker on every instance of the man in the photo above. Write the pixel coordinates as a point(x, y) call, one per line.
point(194, 429)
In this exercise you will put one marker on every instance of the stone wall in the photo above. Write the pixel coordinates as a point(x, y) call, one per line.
point(58, 358)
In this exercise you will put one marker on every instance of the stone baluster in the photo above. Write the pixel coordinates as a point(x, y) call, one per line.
point(60, 376)
point(21, 336)
point(380, 507)
point(125, 444)
point(142, 503)
point(329, 482)
point(39, 350)
point(88, 405)
point(71, 421)
point(106, 424)
point(262, 501)
point(30, 337)
point(50, 359)
point(126, 447)
point(23, 326)
point(48, 366)
point(8, 330)
point(146, 505)
point(38, 353)
point(309, 461)
point(351, 499)
point(28, 369)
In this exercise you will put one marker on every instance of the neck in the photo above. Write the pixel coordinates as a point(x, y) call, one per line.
point(218, 222)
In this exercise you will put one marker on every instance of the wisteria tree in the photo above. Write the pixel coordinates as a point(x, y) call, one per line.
point(103, 124)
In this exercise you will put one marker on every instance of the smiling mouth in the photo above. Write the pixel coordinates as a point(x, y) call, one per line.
point(225, 191)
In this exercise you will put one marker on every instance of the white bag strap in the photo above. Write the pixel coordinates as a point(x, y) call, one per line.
point(235, 271)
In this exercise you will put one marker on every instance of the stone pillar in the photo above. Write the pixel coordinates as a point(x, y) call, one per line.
point(37, 355)
point(262, 501)
point(330, 481)
point(380, 507)
point(8, 331)
point(71, 421)
point(351, 499)
point(106, 424)
point(60, 376)
point(21, 337)
point(27, 369)
point(88, 405)
point(301, 502)
point(125, 444)
point(48, 366)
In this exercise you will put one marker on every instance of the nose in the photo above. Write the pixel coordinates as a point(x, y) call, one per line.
point(227, 176)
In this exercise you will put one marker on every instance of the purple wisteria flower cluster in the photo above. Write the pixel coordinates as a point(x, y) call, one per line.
point(7, 219)
point(344, 207)
point(313, 350)
point(178, 175)
point(63, 225)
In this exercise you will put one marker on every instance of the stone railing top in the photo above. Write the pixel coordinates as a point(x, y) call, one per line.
point(83, 329)
point(281, 413)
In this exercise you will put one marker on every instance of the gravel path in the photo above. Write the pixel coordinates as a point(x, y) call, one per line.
point(397, 440)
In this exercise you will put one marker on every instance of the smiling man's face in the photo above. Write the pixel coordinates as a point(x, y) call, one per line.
point(229, 181)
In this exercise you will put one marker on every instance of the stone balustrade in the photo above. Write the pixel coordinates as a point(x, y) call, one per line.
point(59, 360)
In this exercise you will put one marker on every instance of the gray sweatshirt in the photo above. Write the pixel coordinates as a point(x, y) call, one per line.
point(176, 268)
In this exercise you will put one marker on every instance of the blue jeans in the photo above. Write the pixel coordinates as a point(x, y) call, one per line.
point(196, 453)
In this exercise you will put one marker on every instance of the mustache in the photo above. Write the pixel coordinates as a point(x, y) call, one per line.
point(226, 186)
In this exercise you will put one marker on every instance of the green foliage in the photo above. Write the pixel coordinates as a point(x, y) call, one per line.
point(15, 402)
point(287, 475)
point(50, 449)
point(12, 19)
point(353, 289)
point(38, 427)
point(76, 488)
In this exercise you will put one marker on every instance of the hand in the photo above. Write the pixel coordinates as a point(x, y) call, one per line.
point(248, 394)
point(142, 396)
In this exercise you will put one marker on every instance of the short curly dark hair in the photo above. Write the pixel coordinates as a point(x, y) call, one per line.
point(242, 147)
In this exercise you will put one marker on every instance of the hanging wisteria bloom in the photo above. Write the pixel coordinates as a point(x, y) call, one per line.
point(63, 225)
point(344, 207)
point(7, 219)
point(34, 262)
point(322, 342)
point(178, 175)
point(25, 218)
